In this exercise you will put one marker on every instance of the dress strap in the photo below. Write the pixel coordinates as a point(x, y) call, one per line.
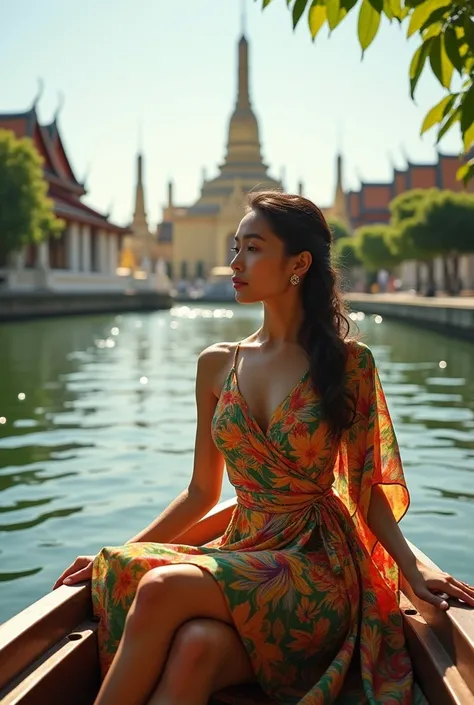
point(236, 354)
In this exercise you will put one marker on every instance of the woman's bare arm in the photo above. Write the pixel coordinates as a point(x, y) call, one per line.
point(424, 581)
point(204, 489)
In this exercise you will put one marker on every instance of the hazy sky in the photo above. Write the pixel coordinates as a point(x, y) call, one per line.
point(170, 66)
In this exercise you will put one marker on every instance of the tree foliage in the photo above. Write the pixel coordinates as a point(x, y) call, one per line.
point(408, 204)
point(345, 253)
point(443, 224)
point(446, 32)
point(26, 213)
point(339, 229)
point(375, 246)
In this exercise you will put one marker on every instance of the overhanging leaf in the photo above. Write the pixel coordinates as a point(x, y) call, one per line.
point(298, 9)
point(451, 45)
point(266, 3)
point(347, 5)
point(468, 138)
point(439, 15)
point(469, 30)
point(467, 109)
point(369, 21)
point(418, 62)
point(316, 17)
point(466, 172)
point(377, 5)
point(447, 125)
point(437, 113)
point(395, 8)
point(333, 9)
point(433, 30)
point(440, 63)
point(387, 10)
point(423, 14)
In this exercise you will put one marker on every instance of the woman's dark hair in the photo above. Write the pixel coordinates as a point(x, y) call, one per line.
point(301, 226)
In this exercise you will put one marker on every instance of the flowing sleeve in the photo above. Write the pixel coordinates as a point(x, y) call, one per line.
point(369, 455)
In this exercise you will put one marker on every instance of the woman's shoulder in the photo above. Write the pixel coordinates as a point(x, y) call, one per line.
point(217, 354)
point(359, 355)
point(215, 363)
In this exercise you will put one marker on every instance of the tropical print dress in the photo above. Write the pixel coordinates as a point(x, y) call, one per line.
point(312, 594)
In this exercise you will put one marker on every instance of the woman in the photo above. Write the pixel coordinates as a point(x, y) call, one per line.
point(300, 592)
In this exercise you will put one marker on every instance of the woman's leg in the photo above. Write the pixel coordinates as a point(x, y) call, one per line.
point(206, 656)
point(166, 598)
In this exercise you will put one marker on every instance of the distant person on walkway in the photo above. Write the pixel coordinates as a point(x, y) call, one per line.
point(298, 598)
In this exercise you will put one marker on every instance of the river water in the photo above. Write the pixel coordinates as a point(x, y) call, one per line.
point(97, 422)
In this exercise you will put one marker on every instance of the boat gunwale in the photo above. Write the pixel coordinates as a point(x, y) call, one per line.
point(27, 637)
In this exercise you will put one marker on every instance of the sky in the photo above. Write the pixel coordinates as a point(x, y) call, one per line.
point(161, 74)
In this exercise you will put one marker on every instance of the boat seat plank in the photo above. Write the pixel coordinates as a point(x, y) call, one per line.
point(454, 628)
point(435, 673)
point(29, 634)
point(66, 674)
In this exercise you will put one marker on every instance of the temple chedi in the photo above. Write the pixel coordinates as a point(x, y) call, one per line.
point(140, 248)
point(194, 239)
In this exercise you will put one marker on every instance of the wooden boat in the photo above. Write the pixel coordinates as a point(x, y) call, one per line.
point(48, 652)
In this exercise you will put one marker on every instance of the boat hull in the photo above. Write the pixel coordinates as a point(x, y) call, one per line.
point(48, 652)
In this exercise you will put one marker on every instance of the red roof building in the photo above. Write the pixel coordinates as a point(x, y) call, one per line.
point(90, 243)
point(370, 203)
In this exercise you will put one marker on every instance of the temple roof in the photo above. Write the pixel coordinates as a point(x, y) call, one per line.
point(243, 160)
point(64, 188)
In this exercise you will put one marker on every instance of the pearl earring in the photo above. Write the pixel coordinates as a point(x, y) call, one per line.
point(294, 279)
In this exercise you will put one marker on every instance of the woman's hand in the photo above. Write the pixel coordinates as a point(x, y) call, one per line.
point(427, 583)
point(78, 571)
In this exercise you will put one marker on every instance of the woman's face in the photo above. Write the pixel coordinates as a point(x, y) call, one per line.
point(261, 269)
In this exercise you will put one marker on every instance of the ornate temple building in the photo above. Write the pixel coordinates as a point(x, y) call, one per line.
point(194, 239)
point(85, 256)
point(370, 203)
point(140, 249)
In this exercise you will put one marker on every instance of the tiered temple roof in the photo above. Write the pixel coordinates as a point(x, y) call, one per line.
point(63, 186)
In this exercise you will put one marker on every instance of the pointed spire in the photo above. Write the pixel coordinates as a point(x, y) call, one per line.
point(300, 188)
point(60, 106)
point(339, 209)
point(243, 97)
point(170, 194)
point(39, 93)
point(139, 215)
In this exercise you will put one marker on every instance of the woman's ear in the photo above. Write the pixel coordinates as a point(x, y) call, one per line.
point(302, 263)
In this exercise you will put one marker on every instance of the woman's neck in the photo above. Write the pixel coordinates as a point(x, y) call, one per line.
point(281, 322)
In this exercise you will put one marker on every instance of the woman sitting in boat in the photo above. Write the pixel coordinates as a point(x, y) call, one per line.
point(300, 593)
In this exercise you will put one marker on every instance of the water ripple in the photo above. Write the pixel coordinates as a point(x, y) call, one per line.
point(103, 438)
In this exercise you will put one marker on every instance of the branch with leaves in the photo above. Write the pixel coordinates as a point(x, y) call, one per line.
point(446, 32)
point(26, 213)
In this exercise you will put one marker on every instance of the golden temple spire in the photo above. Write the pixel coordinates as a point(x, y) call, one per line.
point(139, 214)
point(339, 209)
point(243, 97)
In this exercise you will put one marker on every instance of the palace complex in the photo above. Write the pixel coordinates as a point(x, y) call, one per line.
point(193, 239)
point(86, 255)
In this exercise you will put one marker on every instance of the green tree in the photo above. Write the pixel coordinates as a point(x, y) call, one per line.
point(405, 207)
point(375, 247)
point(446, 32)
point(339, 229)
point(26, 213)
point(443, 226)
point(408, 204)
point(346, 260)
point(346, 253)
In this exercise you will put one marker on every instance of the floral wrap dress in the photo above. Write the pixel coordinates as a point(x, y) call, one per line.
point(312, 594)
